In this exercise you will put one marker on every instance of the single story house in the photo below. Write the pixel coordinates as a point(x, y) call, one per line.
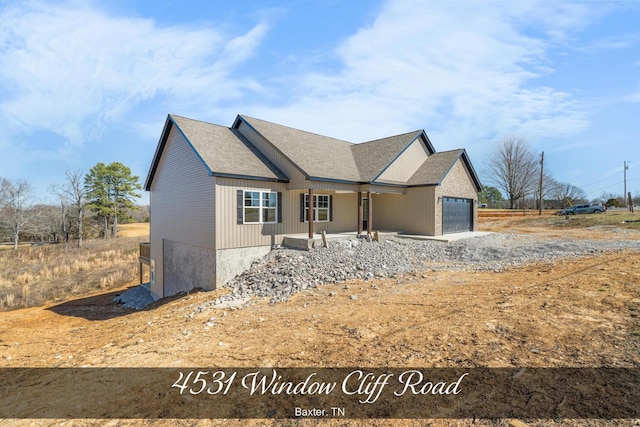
point(222, 197)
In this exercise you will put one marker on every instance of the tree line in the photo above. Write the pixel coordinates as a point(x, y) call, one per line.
point(514, 171)
point(98, 200)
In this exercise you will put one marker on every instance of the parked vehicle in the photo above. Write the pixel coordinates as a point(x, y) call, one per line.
point(482, 205)
point(583, 209)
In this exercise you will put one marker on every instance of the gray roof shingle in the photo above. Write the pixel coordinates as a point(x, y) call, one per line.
point(435, 168)
point(225, 151)
point(373, 157)
point(316, 155)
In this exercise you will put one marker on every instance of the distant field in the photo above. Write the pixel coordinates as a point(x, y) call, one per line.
point(133, 230)
point(612, 218)
point(33, 275)
point(509, 213)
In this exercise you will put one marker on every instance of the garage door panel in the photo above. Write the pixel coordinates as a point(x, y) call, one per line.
point(457, 215)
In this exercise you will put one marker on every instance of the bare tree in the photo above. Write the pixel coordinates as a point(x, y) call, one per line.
point(568, 194)
point(16, 206)
point(45, 222)
point(75, 192)
point(514, 169)
point(73, 200)
point(548, 186)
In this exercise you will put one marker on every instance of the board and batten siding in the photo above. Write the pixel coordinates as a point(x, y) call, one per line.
point(230, 234)
point(406, 164)
point(182, 202)
point(411, 213)
point(458, 183)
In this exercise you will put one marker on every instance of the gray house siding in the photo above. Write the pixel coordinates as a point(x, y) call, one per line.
point(182, 219)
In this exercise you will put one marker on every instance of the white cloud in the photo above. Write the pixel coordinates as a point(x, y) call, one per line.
point(70, 68)
point(465, 70)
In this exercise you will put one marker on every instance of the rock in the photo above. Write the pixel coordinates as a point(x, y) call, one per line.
point(284, 272)
point(137, 297)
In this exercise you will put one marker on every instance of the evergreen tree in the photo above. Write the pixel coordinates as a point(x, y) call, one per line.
point(110, 191)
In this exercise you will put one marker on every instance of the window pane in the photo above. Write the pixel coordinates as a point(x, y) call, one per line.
point(251, 198)
point(270, 199)
point(323, 215)
point(251, 215)
point(268, 215)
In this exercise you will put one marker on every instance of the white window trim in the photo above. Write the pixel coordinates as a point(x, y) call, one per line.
point(316, 208)
point(260, 207)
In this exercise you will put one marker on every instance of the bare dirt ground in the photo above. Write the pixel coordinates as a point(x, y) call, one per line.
point(581, 312)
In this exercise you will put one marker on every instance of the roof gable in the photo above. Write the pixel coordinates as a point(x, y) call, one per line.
point(373, 157)
point(223, 151)
point(435, 169)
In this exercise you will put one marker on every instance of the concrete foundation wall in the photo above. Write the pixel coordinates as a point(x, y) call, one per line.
point(187, 267)
point(231, 262)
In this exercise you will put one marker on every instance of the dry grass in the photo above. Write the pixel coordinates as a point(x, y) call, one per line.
point(616, 218)
point(140, 229)
point(34, 275)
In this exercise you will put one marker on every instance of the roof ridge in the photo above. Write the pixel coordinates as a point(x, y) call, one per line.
point(414, 132)
point(298, 130)
point(198, 120)
point(449, 151)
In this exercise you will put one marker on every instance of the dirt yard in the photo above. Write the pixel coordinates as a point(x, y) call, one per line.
point(569, 313)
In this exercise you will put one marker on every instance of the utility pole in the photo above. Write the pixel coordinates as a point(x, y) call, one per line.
point(541, 172)
point(625, 184)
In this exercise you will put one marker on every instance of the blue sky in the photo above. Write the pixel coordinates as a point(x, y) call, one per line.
point(89, 81)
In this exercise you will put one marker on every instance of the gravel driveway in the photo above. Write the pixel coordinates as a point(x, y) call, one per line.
point(284, 272)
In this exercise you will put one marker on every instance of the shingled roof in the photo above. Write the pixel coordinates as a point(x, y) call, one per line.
point(226, 152)
point(222, 150)
point(373, 157)
point(316, 155)
point(438, 165)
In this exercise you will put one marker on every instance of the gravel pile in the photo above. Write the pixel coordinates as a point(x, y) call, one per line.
point(137, 297)
point(284, 272)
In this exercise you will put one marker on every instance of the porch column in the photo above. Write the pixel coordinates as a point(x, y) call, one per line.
point(359, 213)
point(311, 213)
point(369, 212)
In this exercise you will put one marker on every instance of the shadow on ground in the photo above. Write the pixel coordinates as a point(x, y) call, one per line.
point(96, 307)
point(103, 306)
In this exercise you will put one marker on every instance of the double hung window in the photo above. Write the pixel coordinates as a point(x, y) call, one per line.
point(321, 207)
point(260, 207)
